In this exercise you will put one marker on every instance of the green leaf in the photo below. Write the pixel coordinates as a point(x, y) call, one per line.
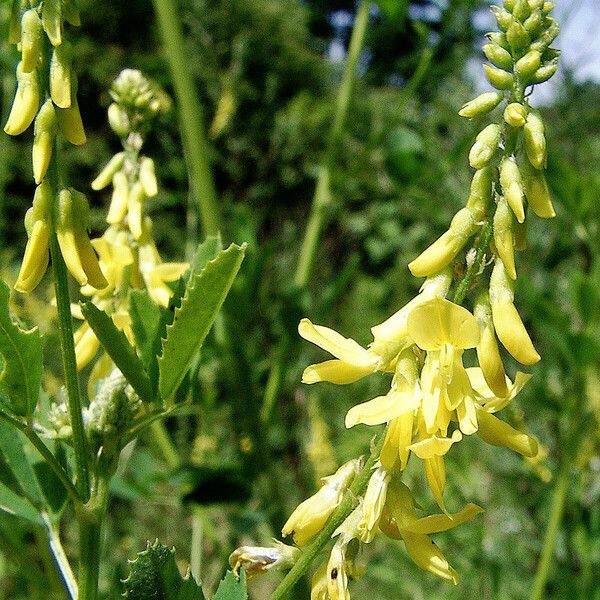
point(232, 588)
point(21, 353)
point(119, 349)
point(154, 576)
point(12, 504)
point(206, 251)
point(204, 296)
point(146, 325)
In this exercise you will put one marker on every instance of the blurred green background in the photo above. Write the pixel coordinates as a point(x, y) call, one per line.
point(267, 72)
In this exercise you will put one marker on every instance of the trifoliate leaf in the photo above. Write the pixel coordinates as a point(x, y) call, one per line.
point(21, 353)
point(205, 293)
point(232, 587)
point(154, 576)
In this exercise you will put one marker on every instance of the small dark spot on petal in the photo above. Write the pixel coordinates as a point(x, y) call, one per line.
point(334, 573)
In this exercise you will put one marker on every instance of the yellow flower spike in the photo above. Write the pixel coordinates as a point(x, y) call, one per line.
point(52, 20)
point(37, 224)
point(498, 433)
point(481, 105)
point(435, 446)
point(26, 102)
point(114, 165)
point(507, 322)
point(148, 177)
point(504, 237)
point(492, 402)
point(485, 146)
point(535, 141)
point(515, 114)
point(75, 246)
point(134, 209)
point(312, 514)
point(372, 505)
point(31, 40)
point(120, 199)
point(443, 251)
point(538, 194)
point(44, 132)
point(69, 119)
point(86, 345)
point(488, 353)
point(439, 322)
point(435, 471)
point(395, 328)
point(60, 75)
point(337, 580)
point(511, 183)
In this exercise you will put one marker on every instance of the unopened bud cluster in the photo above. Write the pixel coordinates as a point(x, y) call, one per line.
point(434, 401)
point(47, 97)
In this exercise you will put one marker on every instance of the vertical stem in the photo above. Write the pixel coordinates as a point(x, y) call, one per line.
point(556, 513)
point(190, 116)
point(197, 541)
point(322, 195)
point(67, 346)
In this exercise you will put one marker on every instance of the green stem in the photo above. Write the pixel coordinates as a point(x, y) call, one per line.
point(90, 517)
point(322, 195)
point(197, 541)
point(163, 442)
point(60, 557)
point(556, 514)
point(67, 346)
point(190, 116)
point(347, 505)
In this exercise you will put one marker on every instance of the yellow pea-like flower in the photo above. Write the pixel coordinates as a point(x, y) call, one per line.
point(535, 141)
point(481, 105)
point(44, 133)
point(498, 433)
point(105, 176)
point(52, 21)
point(515, 114)
point(372, 506)
point(512, 187)
point(507, 322)
point(26, 102)
point(148, 177)
point(61, 86)
point(527, 65)
point(134, 209)
point(504, 237)
point(119, 200)
point(538, 194)
point(69, 119)
point(31, 40)
point(500, 79)
point(485, 146)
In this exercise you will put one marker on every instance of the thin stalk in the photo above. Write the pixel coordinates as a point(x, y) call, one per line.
point(556, 514)
point(190, 116)
point(60, 557)
point(347, 505)
point(197, 541)
point(163, 442)
point(322, 195)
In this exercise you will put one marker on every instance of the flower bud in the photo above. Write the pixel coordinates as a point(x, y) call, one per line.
point(533, 23)
point(545, 72)
point(60, 75)
point(512, 187)
point(535, 140)
point(337, 582)
point(517, 36)
point(481, 105)
point(118, 120)
point(71, 12)
point(499, 39)
point(310, 516)
point(44, 132)
point(515, 114)
point(521, 10)
point(255, 560)
point(509, 5)
point(536, 4)
point(120, 198)
point(546, 37)
point(503, 236)
point(148, 177)
point(500, 79)
point(498, 56)
point(528, 64)
point(26, 102)
point(488, 353)
point(481, 192)
point(69, 119)
point(106, 175)
point(31, 40)
point(498, 433)
point(86, 345)
point(486, 144)
point(503, 17)
point(134, 209)
point(538, 194)
point(37, 224)
point(73, 239)
point(548, 7)
point(445, 248)
point(372, 506)
point(52, 21)
point(507, 322)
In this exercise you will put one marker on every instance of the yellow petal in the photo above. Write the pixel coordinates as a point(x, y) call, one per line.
point(489, 358)
point(437, 256)
point(497, 404)
point(438, 523)
point(335, 371)
point(86, 346)
point(438, 322)
point(382, 409)
point(428, 556)
point(467, 416)
point(171, 271)
point(498, 433)
point(512, 333)
point(435, 446)
point(35, 259)
point(343, 348)
point(435, 471)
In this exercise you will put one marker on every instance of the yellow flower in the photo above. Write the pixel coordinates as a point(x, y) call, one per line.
point(310, 516)
point(255, 559)
point(372, 504)
point(399, 521)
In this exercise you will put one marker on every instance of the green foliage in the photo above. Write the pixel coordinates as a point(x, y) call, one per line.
point(21, 353)
point(205, 293)
point(232, 587)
